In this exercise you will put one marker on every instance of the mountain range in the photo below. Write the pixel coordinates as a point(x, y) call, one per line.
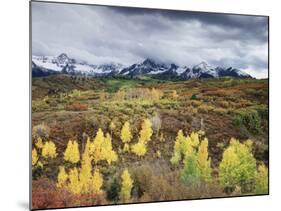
point(62, 64)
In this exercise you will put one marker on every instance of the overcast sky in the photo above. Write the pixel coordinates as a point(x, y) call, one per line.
point(100, 34)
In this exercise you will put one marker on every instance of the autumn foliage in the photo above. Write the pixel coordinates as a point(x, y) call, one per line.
point(82, 178)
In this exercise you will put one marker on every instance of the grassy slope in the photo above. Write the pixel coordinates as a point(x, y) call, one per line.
point(213, 108)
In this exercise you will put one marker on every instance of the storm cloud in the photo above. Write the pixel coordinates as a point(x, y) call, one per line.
point(102, 34)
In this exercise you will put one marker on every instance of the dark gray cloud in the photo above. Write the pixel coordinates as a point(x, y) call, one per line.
point(100, 34)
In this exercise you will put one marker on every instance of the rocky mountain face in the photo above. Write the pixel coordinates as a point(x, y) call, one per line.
point(47, 65)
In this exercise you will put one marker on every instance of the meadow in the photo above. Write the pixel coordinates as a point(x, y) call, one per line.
point(121, 140)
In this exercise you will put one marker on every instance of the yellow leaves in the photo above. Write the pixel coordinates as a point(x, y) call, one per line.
point(96, 146)
point(97, 181)
point(203, 160)
point(126, 148)
point(126, 135)
point(39, 143)
point(178, 148)
point(194, 138)
point(238, 167)
point(101, 148)
point(49, 150)
point(108, 153)
point(62, 177)
point(126, 185)
point(146, 131)
point(262, 180)
point(145, 136)
point(112, 126)
point(72, 153)
point(249, 144)
point(230, 161)
point(139, 149)
point(34, 157)
point(183, 146)
point(85, 173)
point(74, 183)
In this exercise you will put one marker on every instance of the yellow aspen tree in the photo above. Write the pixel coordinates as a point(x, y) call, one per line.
point(86, 154)
point(126, 186)
point(126, 135)
point(34, 157)
point(74, 183)
point(72, 153)
point(139, 149)
point(177, 155)
point(97, 181)
point(112, 127)
point(39, 143)
point(85, 174)
point(238, 167)
point(203, 161)
point(262, 180)
point(62, 177)
point(96, 146)
point(190, 173)
point(109, 154)
point(249, 143)
point(146, 131)
point(194, 138)
point(49, 150)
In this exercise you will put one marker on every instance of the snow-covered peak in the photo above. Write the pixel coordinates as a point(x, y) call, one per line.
point(63, 59)
point(204, 66)
point(64, 64)
point(67, 65)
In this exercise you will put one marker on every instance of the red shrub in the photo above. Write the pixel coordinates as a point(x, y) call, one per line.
point(77, 106)
point(45, 194)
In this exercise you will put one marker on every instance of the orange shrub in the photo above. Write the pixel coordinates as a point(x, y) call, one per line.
point(77, 106)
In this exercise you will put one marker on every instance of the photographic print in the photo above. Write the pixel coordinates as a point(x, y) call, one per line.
point(135, 105)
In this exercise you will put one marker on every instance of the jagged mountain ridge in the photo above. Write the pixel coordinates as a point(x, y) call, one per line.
point(47, 65)
point(64, 64)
